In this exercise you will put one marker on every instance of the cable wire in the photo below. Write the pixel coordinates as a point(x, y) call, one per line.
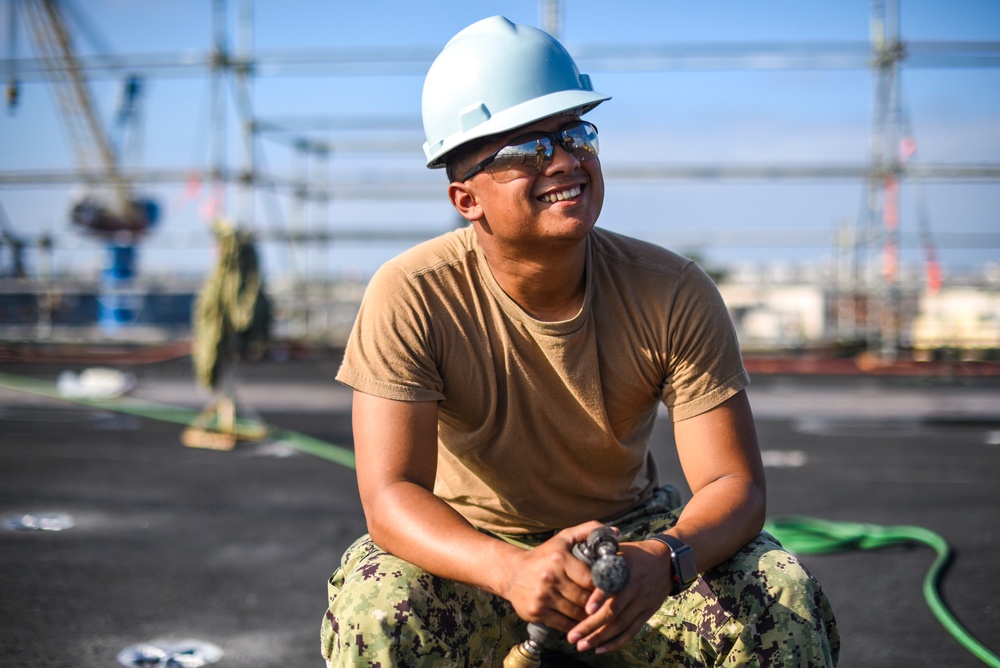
point(805, 535)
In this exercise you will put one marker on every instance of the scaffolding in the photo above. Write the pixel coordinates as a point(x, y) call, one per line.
point(867, 309)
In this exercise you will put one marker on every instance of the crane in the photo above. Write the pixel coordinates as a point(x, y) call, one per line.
point(109, 208)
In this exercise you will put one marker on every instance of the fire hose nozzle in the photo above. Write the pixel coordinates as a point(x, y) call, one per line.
point(524, 655)
point(609, 571)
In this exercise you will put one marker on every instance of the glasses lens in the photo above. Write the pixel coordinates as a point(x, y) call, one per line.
point(529, 155)
point(521, 159)
point(581, 141)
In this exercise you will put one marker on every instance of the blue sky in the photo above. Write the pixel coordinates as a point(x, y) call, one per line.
point(676, 118)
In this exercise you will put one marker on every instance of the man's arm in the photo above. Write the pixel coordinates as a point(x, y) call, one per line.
point(721, 460)
point(395, 446)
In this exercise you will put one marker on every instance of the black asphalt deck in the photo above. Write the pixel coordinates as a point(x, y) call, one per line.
point(234, 548)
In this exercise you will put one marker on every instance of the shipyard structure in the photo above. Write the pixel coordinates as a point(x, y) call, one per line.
point(862, 299)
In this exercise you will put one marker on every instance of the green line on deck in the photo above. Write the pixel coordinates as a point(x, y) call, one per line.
point(175, 414)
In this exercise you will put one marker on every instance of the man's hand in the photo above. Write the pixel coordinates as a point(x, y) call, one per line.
point(548, 584)
point(613, 620)
point(721, 460)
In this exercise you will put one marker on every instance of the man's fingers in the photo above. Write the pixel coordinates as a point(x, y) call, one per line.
point(596, 600)
point(614, 623)
point(579, 573)
point(613, 620)
point(595, 623)
point(622, 638)
point(580, 532)
point(570, 609)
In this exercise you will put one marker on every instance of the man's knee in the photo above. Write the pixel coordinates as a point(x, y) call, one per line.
point(784, 612)
point(384, 609)
point(378, 606)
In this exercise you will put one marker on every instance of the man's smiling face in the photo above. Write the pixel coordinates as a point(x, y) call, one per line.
point(561, 202)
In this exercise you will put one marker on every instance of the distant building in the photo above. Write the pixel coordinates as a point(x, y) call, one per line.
point(966, 318)
point(769, 316)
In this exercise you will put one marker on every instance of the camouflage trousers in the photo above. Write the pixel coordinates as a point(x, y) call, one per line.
point(760, 608)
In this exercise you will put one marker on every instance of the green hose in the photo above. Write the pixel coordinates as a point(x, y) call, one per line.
point(805, 535)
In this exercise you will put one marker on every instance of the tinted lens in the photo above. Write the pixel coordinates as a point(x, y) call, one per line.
point(529, 155)
point(581, 141)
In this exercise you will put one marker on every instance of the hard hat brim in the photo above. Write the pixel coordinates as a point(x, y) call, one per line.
point(526, 113)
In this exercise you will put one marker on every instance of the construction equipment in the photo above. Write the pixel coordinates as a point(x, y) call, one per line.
point(610, 573)
point(108, 209)
point(116, 209)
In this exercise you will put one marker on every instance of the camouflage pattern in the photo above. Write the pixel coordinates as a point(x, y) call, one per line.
point(760, 608)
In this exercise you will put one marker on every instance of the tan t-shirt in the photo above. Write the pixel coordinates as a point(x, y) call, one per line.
point(544, 425)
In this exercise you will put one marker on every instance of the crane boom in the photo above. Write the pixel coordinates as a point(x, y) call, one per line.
point(118, 210)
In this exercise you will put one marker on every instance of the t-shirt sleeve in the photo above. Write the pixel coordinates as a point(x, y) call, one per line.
point(705, 364)
point(389, 353)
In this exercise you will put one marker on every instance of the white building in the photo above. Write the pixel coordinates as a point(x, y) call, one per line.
point(776, 316)
point(960, 317)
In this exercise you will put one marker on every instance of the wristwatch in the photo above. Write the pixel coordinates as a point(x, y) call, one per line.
point(683, 570)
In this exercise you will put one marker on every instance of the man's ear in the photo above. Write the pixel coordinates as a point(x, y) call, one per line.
point(463, 198)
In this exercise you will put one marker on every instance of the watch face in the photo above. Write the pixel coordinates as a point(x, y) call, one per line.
point(687, 571)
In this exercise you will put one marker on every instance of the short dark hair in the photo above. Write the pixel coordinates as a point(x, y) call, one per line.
point(456, 162)
point(454, 165)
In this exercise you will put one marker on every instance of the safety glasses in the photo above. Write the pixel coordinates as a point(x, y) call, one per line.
point(528, 154)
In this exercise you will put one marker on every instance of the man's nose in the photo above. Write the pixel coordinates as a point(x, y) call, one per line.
point(562, 160)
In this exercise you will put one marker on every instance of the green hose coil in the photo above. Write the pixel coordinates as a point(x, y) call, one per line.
point(806, 535)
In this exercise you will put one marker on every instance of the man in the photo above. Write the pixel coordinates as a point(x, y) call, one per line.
point(507, 377)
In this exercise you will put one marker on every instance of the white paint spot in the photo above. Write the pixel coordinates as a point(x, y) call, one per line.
point(39, 522)
point(187, 653)
point(784, 459)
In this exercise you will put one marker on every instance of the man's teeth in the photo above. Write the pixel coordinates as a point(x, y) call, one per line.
point(560, 196)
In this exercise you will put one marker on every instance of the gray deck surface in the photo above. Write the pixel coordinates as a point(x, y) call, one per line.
point(234, 548)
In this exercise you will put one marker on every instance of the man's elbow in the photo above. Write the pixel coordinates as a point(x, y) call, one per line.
point(752, 507)
point(758, 503)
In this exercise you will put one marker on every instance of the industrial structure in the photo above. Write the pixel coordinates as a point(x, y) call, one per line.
point(865, 303)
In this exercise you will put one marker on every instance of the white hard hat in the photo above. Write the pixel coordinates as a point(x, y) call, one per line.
point(495, 76)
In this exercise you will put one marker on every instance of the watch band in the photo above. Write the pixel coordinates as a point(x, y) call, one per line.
point(683, 570)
